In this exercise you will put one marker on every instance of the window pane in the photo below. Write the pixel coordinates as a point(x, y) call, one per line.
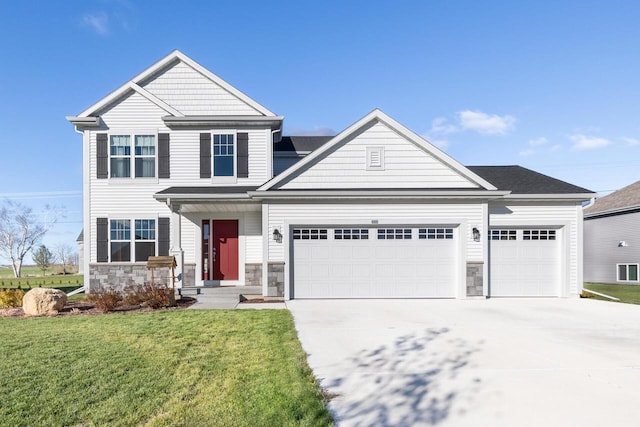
point(120, 167)
point(144, 250)
point(223, 165)
point(145, 167)
point(145, 229)
point(633, 272)
point(622, 272)
point(120, 229)
point(145, 145)
point(120, 145)
point(120, 251)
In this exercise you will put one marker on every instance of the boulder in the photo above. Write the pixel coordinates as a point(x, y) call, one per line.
point(43, 301)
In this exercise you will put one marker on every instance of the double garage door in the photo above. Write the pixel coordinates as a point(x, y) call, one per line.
point(374, 262)
point(525, 262)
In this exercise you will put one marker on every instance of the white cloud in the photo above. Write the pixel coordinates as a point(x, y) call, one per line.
point(538, 141)
point(585, 142)
point(527, 152)
point(631, 142)
point(488, 124)
point(442, 144)
point(439, 126)
point(98, 22)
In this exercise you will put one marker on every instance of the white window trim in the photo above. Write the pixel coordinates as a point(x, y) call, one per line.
point(225, 179)
point(627, 264)
point(132, 237)
point(132, 156)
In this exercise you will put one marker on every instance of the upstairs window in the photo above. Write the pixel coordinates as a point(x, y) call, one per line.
point(223, 155)
point(144, 156)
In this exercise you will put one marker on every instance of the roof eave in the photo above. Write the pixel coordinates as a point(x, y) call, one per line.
point(201, 198)
point(555, 196)
point(376, 194)
point(615, 211)
point(274, 122)
point(84, 122)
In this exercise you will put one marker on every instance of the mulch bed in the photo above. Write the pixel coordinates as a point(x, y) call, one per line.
point(85, 308)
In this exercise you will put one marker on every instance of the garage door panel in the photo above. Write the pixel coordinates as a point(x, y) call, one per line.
point(400, 265)
point(525, 265)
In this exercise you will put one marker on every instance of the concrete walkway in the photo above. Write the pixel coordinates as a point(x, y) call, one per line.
point(228, 297)
point(497, 362)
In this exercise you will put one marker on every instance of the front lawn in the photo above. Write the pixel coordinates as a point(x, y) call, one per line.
point(183, 367)
point(626, 293)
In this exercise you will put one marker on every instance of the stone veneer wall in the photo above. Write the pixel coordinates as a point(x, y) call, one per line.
point(117, 276)
point(474, 279)
point(276, 279)
point(253, 274)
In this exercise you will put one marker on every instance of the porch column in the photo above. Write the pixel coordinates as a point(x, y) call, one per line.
point(176, 242)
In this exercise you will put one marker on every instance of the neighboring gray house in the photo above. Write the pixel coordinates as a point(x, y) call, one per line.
point(612, 237)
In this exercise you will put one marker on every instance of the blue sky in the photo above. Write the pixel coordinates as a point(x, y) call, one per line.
point(549, 85)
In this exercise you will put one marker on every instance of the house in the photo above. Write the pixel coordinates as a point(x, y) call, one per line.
point(179, 162)
point(612, 237)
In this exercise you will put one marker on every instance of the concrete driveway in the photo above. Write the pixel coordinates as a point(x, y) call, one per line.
point(497, 362)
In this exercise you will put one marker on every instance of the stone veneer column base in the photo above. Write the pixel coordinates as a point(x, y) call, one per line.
point(253, 274)
point(475, 279)
point(275, 279)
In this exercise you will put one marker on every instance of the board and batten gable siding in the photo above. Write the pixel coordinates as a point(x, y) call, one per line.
point(567, 215)
point(601, 251)
point(191, 93)
point(468, 215)
point(405, 166)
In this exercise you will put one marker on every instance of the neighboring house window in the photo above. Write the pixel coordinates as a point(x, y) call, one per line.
point(223, 158)
point(120, 237)
point(144, 153)
point(627, 272)
point(145, 239)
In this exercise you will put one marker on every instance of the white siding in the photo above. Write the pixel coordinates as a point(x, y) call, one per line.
point(405, 166)
point(191, 93)
point(253, 233)
point(469, 215)
point(563, 214)
point(134, 112)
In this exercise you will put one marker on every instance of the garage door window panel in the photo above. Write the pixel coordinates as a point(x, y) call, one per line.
point(539, 235)
point(351, 234)
point(394, 234)
point(505, 234)
point(435, 233)
point(309, 234)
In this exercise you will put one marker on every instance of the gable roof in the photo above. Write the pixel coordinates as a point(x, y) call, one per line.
point(521, 180)
point(625, 199)
point(136, 83)
point(377, 116)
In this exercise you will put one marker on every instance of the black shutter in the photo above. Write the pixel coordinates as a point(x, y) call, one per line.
point(163, 156)
point(102, 156)
point(205, 155)
point(102, 240)
point(243, 155)
point(163, 236)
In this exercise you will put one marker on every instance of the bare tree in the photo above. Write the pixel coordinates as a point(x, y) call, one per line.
point(20, 231)
point(64, 255)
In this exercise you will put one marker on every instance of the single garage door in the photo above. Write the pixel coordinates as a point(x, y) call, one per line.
point(368, 262)
point(524, 262)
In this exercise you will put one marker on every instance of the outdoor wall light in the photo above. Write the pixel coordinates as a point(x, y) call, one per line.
point(622, 244)
point(277, 236)
point(476, 234)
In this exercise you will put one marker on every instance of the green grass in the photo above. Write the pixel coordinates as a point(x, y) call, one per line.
point(59, 282)
point(170, 368)
point(626, 293)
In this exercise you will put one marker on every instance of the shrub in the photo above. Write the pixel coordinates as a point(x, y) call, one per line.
point(105, 300)
point(11, 297)
point(154, 296)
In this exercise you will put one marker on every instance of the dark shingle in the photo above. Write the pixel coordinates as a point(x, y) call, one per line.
point(625, 198)
point(301, 143)
point(521, 180)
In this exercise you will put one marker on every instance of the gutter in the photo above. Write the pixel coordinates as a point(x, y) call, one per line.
point(204, 121)
point(380, 194)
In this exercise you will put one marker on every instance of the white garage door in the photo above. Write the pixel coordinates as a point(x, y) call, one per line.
point(367, 262)
point(524, 262)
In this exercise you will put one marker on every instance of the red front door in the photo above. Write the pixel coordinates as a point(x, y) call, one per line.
point(225, 249)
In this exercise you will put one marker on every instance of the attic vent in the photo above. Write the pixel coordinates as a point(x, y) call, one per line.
point(375, 158)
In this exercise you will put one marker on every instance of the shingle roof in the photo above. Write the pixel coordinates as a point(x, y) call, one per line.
point(521, 180)
point(626, 198)
point(300, 143)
